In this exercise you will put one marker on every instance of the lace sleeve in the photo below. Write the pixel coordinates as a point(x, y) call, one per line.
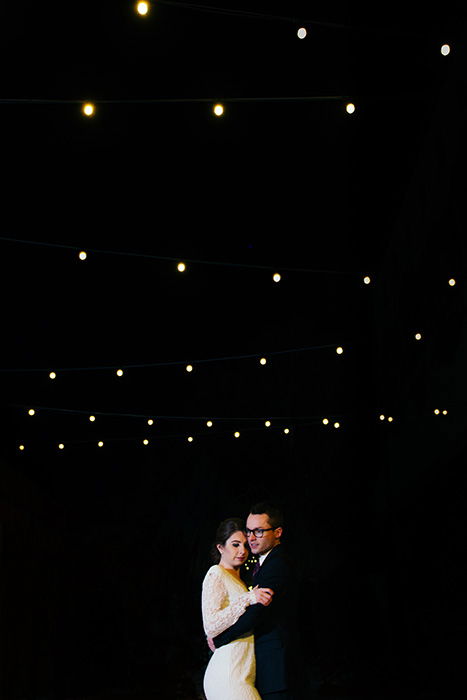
point(218, 613)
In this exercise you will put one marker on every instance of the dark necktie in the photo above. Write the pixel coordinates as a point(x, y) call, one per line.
point(256, 568)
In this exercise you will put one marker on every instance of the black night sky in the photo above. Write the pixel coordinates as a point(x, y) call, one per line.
point(103, 549)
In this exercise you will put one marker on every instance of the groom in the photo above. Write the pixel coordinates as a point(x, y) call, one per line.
point(264, 531)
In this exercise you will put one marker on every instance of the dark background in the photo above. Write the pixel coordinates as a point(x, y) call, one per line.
point(103, 550)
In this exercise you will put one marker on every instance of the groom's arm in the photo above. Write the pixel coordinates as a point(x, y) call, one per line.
point(274, 577)
point(246, 623)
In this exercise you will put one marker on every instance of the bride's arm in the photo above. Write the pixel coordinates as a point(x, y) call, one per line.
point(217, 616)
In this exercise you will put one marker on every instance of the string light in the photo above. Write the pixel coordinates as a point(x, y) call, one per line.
point(142, 8)
point(276, 277)
point(31, 412)
point(418, 336)
point(88, 109)
point(92, 418)
point(52, 375)
point(209, 423)
point(218, 110)
point(367, 280)
point(267, 424)
point(181, 267)
point(436, 411)
point(82, 255)
point(452, 282)
point(350, 108)
point(182, 362)
point(301, 33)
point(148, 256)
point(263, 361)
point(150, 421)
point(445, 49)
point(339, 350)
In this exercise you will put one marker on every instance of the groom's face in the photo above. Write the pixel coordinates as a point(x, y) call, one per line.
point(261, 545)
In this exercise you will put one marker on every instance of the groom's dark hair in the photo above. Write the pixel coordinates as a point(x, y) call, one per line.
point(274, 513)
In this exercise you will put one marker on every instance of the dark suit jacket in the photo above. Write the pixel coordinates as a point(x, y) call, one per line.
point(269, 625)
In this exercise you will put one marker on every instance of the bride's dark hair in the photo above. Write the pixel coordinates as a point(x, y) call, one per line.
point(225, 530)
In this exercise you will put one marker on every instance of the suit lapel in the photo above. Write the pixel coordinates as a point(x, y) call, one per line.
point(273, 553)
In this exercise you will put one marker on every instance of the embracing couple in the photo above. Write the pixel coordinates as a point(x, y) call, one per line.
point(246, 629)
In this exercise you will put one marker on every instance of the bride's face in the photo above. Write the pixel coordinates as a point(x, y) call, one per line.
point(235, 551)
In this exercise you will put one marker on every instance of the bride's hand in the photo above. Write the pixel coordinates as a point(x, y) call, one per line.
point(263, 595)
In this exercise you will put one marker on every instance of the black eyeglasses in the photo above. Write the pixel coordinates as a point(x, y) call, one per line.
point(258, 531)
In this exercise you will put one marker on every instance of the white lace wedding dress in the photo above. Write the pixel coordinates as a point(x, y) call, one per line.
point(230, 674)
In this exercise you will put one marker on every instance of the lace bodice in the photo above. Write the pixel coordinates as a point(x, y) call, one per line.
point(224, 599)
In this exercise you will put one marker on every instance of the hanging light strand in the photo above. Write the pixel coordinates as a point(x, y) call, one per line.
point(165, 258)
point(186, 363)
point(209, 418)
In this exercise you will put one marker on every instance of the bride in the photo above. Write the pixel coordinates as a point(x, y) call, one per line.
point(230, 674)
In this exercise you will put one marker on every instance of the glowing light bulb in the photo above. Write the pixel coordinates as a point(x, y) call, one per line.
point(325, 421)
point(209, 423)
point(61, 446)
point(237, 434)
point(150, 421)
point(263, 361)
point(382, 416)
point(339, 350)
point(145, 442)
point(445, 50)
point(31, 412)
point(390, 419)
point(88, 109)
point(418, 336)
point(100, 444)
point(218, 110)
point(142, 8)
point(52, 375)
point(21, 448)
point(82, 255)
point(190, 439)
point(286, 431)
point(452, 282)
point(337, 425)
point(276, 277)
point(301, 33)
point(189, 368)
point(436, 411)
point(181, 267)
point(350, 108)
point(267, 423)
point(366, 280)
point(92, 418)
point(119, 373)
point(445, 413)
